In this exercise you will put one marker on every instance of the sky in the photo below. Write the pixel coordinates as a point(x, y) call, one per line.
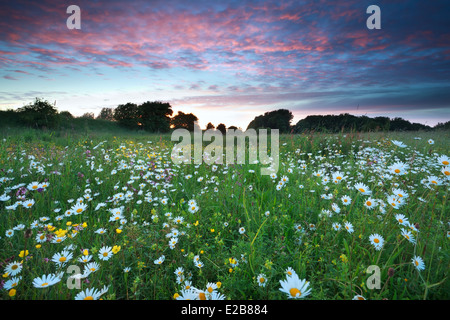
point(229, 61)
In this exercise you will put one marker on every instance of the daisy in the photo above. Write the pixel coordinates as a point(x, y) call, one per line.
point(78, 208)
point(193, 208)
point(91, 267)
point(400, 193)
point(85, 259)
point(290, 272)
point(13, 268)
point(47, 280)
point(178, 220)
point(189, 294)
point(62, 258)
point(433, 180)
point(33, 186)
point(349, 227)
point(430, 141)
point(294, 287)
point(346, 200)
point(241, 230)
point(369, 203)
point(88, 294)
point(216, 296)
point(262, 279)
point(105, 253)
point(443, 160)
point(395, 202)
point(160, 260)
point(100, 231)
point(187, 285)
point(408, 235)
point(361, 187)
point(211, 287)
point(335, 207)
point(398, 168)
point(377, 241)
point(336, 226)
point(179, 271)
point(402, 219)
point(358, 297)
point(337, 177)
point(9, 233)
point(399, 143)
point(28, 203)
point(418, 263)
point(446, 171)
point(11, 283)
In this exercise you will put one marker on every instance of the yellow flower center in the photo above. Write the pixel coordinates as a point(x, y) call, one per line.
point(294, 292)
point(369, 203)
point(44, 284)
point(202, 296)
point(62, 259)
point(445, 162)
point(210, 289)
point(416, 263)
point(34, 187)
point(89, 298)
point(376, 240)
point(262, 280)
point(362, 190)
point(105, 254)
point(79, 210)
point(397, 170)
point(14, 267)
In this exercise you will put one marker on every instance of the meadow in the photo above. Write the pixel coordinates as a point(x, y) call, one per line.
point(137, 226)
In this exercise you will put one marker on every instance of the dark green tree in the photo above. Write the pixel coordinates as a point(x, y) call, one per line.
point(279, 119)
point(155, 116)
point(184, 120)
point(39, 114)
point(222, 128)
point(209, 126)
point(106, 114)
point(127, 115)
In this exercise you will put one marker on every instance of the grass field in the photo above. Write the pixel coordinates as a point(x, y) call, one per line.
point(139, 227)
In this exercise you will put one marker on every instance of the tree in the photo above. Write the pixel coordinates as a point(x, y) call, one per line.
point(106, 114)
point(279, 119)
point(155, 116)
point(184, 120)
point(127, 115)
point(39, 114)
point(209, 126)
point(65, 116)
point(222, 128)
point(232, 128)
point(88, 115)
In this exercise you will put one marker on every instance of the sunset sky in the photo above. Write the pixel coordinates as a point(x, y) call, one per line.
point(229, 61)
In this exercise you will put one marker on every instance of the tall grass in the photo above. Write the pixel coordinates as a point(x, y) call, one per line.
point(291, 227)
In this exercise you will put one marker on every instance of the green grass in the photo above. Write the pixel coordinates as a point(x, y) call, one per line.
point(333, 262)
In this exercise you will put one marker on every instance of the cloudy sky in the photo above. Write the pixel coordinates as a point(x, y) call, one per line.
point(229, 61)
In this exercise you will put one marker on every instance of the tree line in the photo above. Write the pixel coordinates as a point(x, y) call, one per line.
point(157, 116)
point(150, 116)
